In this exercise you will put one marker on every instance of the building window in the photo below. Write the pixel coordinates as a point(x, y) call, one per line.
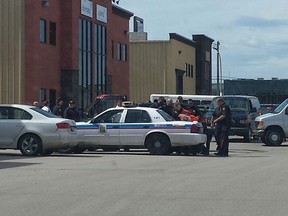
point(42, 95)
point(85, 62)
point(119, 53)
point(42, 32)
point(189, 70)
point(52, 33)
point(112, 49)
point(124, 52)
point(100, 70)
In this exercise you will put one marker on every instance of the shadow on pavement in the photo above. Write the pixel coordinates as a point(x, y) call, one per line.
point(7, 165)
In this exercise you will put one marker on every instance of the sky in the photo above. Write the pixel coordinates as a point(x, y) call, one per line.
point(253, 34)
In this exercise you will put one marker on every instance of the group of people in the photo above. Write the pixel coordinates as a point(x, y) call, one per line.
point(220, 122)
point(70, 112)
point(178, 110)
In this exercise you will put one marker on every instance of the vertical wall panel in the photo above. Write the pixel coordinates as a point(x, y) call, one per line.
point(11, 51)
point(1, 49)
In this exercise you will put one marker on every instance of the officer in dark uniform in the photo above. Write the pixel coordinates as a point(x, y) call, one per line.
point(222, 121)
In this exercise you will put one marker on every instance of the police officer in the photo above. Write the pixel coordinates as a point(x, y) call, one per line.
point(222, 121)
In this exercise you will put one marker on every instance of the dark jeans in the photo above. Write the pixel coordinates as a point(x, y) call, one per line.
point(210, 133)
point(222, 139)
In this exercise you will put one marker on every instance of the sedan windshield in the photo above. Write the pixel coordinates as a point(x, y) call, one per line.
point(45, 113)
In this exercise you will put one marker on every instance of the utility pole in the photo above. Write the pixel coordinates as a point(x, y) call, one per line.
point(218, 67)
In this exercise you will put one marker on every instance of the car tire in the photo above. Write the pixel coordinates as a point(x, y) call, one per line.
point(65, 150)
point(110, 149)
point(46, 152)
point(78, 150)
point(126, 149)
point(248, 136)
point(263, 139)
point(30, 145)
point(158, 144)
point(274, 137)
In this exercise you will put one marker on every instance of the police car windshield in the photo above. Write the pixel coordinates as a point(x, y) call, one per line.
point(166, 116)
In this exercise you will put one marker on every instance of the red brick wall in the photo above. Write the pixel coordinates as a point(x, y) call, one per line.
point(42, 61)
point(117, 30)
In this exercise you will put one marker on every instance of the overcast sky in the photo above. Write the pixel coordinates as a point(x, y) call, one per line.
point(253, 34)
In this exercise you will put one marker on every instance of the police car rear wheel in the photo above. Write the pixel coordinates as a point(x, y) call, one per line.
point(158, 144)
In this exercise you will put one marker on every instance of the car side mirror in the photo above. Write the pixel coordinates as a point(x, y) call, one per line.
point(286, 111)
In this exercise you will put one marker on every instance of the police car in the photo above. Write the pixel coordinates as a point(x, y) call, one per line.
point(138, 127)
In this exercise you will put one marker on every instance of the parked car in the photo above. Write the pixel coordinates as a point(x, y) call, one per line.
point(244, 110)
point(139, 127)
point(34, 131)
point(272, 127)
point(267, 108)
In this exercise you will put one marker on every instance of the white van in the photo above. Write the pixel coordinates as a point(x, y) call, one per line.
point(272, 128)
point(201, 101)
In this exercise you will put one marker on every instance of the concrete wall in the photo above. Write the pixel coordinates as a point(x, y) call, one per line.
point(153, 67)
point(179, 55)
point(148, 68)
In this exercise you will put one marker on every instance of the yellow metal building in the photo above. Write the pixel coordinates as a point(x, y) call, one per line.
point(167, 67)
point(11, 51)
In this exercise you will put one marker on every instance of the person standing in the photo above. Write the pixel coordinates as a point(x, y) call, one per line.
point(36, 103)
point(46, 106)
point(169, 108)
point(71, 112)
point(58, 109)
point(222, 121)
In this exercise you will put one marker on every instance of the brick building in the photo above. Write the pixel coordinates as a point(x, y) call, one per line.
point(75, 49)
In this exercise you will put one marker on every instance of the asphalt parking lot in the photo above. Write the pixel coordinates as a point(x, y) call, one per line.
point(251, 181)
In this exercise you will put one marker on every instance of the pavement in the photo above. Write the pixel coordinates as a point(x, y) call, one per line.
point(251, 181)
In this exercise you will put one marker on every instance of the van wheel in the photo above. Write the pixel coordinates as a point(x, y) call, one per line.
point(274, 137)
point(158, 144)
point(263, 139)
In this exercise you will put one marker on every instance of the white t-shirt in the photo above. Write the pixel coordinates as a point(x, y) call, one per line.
point(47, 109)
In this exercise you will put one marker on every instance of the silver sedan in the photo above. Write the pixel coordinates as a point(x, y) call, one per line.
point(34, 131)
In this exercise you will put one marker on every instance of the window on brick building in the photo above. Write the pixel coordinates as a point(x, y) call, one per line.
point(42, 31)
point(85, 62)
point(52, 33)
point(124, 52)
point(112, 49)
point(100, 70)
point(119, 53)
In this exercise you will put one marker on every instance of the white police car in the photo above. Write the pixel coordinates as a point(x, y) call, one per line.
point(138, 127)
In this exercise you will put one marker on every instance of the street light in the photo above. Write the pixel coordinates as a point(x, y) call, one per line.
point(219, 69)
